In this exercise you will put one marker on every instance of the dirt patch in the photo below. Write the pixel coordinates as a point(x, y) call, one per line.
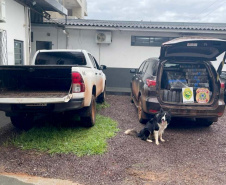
point(190, 155)
point(172, 175)
point(38, 180)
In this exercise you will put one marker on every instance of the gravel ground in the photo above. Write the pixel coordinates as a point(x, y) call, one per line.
point(190, 155)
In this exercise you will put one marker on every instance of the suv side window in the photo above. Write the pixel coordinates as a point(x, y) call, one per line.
point(141, 67)
point(145, 67)
point(152, 68)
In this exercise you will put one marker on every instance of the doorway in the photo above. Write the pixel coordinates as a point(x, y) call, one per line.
point(43, 45)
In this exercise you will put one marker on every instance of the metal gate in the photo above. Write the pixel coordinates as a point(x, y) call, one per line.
point(3, 48)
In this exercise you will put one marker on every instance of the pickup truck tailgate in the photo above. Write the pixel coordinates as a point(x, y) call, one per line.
point(35, 97)
point(35, 84)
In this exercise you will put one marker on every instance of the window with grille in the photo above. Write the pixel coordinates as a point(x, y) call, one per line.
point(148, 41)
point(18, 52)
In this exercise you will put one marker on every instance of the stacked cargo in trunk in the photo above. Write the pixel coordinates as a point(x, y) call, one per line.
point(180, 75)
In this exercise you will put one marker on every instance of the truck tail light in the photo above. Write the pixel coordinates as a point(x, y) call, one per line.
point(77, 83)
point(151, 83)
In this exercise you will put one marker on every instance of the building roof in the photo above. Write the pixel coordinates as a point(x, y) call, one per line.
point(141, 24)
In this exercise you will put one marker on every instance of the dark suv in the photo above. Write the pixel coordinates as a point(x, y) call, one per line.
point(182, 71)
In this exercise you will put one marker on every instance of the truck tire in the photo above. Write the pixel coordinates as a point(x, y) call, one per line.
point(141, 113)
point(22, 122)
point(101, 98)
point(90, 114)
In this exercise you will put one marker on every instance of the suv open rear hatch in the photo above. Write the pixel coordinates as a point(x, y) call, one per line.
point(193, 47)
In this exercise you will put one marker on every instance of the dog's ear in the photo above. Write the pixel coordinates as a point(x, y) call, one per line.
point(169, 111)
point(161, 110)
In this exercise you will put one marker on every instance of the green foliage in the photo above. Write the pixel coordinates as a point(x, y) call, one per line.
point(102, 105)
point(80, 141)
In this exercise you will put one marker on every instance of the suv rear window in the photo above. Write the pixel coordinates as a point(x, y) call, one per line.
point(60, 58)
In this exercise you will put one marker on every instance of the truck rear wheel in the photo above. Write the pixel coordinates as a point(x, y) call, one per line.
point(22, 122)
point(102, 96)
point(90, 114)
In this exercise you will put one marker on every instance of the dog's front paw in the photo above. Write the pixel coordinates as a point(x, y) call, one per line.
point(162, 140)
point(149, 140)
point(157, 143)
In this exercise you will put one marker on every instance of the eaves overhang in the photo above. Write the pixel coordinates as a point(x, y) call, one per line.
point(45, 5)
point(139, 25)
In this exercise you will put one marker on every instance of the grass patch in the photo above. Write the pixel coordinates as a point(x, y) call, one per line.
point(102, 106)
point(79, 141)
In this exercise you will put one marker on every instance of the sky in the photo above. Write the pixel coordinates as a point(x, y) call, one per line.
point(158, 10)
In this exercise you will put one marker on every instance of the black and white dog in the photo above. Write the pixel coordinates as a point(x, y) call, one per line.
point(155, 126)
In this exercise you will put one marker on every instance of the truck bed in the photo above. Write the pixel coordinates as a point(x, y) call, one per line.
point(35, 84)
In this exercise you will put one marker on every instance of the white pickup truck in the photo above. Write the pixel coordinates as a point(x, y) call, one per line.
point(65, 81)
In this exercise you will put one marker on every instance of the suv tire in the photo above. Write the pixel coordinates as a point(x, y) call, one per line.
point(204, 122)
point(141, 113)
point(131, 97)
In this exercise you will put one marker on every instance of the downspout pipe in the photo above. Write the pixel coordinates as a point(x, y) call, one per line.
point(67, 36)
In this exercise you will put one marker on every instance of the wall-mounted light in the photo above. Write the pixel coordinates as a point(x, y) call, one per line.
point(33, 3)
point(65, 32)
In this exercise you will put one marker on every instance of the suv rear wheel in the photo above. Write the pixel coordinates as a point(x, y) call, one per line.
point(141, 113)
point(204, 122)
point(131, 97)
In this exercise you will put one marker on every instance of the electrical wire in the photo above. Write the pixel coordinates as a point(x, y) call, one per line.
point(218, 5)
point(205, 9)
point(215, 9)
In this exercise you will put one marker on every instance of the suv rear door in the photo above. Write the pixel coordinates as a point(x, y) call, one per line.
point(193, 48)
point(137, 82)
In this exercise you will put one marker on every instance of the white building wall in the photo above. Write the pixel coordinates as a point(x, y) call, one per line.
point(50, 34)
point(15, 26)
point(118, 54)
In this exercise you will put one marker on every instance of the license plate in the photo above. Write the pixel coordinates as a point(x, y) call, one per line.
point(36, 105)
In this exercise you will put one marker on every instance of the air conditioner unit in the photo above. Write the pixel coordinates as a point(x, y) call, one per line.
point(103, 37)
point(2, 11)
